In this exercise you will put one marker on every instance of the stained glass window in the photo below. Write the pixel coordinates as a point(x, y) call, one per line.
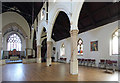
point(80, 47)
point(14, 42)
point(115, 43)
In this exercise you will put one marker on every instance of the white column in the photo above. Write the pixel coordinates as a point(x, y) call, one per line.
point(26, 48)
point(39, 54)
point(119, 47)
point(49, 52)
point(74, 61)
point(0, 45)
point(26, 53)
point(1, 61)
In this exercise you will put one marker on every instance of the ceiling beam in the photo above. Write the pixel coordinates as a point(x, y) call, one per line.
point(103, 22)
point(106, 6)
point(66, 29)
point(90, 14)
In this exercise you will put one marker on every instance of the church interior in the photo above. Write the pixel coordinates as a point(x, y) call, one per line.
point(54, 40)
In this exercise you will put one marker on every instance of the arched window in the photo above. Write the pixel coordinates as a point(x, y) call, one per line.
point(80, 47)
point(14, 42)
point(62, 50)
point(115, 43)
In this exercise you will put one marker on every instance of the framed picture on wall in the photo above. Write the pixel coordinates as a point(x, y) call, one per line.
point(94, 45)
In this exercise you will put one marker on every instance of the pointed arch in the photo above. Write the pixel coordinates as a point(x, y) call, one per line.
point(53, 15)
point(9, 18)
point(114, 43)
point(61, 28)
point(41, 27)
point(14, 42)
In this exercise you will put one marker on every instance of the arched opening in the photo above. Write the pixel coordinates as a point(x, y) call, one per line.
point(44, 46)
point(61, 28)
point(14, 47)
point(80, 47)
point(115, 43)
point(62, 50)
point(60, 31)
point(14, 42)
point(35, 44)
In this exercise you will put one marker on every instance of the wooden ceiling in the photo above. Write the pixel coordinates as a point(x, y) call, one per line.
point(61, 27)
point(92, 15)
point(29, 10)
point(95, 14)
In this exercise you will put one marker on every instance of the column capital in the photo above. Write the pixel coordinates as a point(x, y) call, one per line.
point(26, 37)
point(49, 42)
point(39, 45)
point(74, 31)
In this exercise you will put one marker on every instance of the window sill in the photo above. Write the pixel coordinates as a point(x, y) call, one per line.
point(115, 55)
point(79, 55)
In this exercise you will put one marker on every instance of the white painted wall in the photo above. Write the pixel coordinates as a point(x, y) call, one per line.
point(12, 17)
point(102, 34)
point(67, 44)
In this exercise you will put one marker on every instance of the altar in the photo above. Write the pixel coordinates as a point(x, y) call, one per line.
point(12, 58)
point(13, 55)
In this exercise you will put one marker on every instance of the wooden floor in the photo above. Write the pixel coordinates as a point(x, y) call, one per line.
point(56, 72)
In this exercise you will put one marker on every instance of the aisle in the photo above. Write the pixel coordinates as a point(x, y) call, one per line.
point(56, 72)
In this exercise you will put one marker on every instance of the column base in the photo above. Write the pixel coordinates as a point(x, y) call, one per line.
point(38, 60)
point(2, 62)
point(25, 61)
point(49, 62)
point(74, 67)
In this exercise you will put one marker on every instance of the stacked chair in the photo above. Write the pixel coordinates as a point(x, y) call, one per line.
point(108, 64)
point(87, 62)
point(102, 63)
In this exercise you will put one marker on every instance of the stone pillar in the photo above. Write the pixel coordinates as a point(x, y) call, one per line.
point(39, 54)
point(0, 45)
point(26, 53)
point(0, 53)
point(26, 50)
point(2, 62)
point(49, 52)
point(74, 61)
